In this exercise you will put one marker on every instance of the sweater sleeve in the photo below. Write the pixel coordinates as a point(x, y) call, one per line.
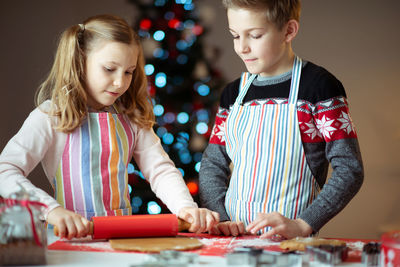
point(214, 171)
point(165, 180)
point(335, 128)
point(23, 153)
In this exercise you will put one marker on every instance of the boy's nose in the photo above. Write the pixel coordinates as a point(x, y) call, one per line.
point(243, 46)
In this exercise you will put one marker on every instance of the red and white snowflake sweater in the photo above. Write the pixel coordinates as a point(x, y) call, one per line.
point(327, 133)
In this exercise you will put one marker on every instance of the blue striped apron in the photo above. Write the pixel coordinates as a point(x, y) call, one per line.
point(270, 170)
point(92, 177)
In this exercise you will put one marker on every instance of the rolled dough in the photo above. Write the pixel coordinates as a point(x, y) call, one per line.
point(300, 243)
point(156, 244)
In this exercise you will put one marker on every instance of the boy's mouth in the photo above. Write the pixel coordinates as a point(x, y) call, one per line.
point(249, 60)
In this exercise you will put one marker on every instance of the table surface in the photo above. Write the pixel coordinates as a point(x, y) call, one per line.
point(64, 258)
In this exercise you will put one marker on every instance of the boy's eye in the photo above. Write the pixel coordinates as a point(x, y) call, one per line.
point(235, 36)
point(108, 69)
point(256, 36)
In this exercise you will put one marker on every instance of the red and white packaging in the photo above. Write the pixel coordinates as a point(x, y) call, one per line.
point(390, 249)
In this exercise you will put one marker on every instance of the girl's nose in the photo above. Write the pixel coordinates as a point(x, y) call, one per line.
point(117, 82)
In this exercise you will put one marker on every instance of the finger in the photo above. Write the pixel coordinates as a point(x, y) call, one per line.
point(71, 228)
point(233, 229)
point(62, 229)
point(257, 226)
point(207, 220)
point(186, 216)
point(215, 231)
point(216, 217)
point(254, 223)
point(80, 227)
point(241, 228)
point(195, 224)
point(202, 226)
point(86, 225)
point(224, 228)
point(210, 222)
point(274, 234)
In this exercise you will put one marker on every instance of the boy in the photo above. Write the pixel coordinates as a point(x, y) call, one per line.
point(280, 126)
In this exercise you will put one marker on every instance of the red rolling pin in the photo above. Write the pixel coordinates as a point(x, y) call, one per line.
point(106, 227)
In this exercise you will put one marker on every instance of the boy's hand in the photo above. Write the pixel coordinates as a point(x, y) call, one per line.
point(201, 220)
point(69, 224)
point(280, 225)
point(228, 228)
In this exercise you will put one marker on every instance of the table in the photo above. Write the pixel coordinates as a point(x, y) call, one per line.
point(98, 254)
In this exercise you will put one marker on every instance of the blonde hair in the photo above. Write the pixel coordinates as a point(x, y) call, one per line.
point(278, 12)
point(65, 85)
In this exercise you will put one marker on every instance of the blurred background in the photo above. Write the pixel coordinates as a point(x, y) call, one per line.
point(190, 57)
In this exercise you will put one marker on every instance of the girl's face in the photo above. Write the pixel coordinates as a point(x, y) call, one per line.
point(259, 43)
point(109, 69)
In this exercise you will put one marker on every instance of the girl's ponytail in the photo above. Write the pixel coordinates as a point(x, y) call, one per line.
point(64, 85)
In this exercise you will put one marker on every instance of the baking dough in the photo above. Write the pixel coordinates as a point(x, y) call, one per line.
point(156, 244)
point(300, 243)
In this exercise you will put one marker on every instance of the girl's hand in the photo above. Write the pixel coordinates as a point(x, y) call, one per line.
point(280, 225)
point(201, 220)
point(69, 224)
point(228, 228)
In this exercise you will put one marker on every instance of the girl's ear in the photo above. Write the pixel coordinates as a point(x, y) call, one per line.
point(291, 28)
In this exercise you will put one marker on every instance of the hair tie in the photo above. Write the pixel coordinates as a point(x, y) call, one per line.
point(82, 26)
point(80, 34)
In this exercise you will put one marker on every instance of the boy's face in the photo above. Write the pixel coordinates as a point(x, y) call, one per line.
point(261, 46)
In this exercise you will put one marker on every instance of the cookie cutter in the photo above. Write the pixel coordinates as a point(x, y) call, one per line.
point(251, 256)
point(169, 258)
point(328, 255)
point(371, 254)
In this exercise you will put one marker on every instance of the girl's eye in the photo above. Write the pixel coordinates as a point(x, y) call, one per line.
point(108, 69)
point(256, 36)
point(129, 73)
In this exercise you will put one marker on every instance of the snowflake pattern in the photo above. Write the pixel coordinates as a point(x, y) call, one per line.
point(326, 121)
point(347, 124)
point(218, 132)
point(312, 131)
point(325, 127)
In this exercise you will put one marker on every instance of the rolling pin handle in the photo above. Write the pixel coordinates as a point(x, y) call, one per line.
point(91, 229)
point(183, 225)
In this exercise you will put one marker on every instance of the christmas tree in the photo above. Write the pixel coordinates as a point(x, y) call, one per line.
point(184, 87)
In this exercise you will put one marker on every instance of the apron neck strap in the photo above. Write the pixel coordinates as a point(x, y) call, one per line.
point(294, 86)
point(245, 82)
point(247, 79)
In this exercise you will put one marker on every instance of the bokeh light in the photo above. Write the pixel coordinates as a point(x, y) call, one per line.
point(193, 187)
point(153, 207)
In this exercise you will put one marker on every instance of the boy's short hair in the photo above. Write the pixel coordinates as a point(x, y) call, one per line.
point(278, 12)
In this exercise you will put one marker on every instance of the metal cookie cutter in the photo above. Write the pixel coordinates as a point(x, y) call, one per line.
point(250, 256)
point(328, 255)
point(169, 258)
point(371, 254)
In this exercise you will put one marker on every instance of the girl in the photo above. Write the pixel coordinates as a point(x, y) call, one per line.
point(93, 114)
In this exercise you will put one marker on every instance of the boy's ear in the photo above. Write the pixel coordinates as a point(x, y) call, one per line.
point(292, 28)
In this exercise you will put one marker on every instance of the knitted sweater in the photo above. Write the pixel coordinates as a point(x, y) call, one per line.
point(327, 134)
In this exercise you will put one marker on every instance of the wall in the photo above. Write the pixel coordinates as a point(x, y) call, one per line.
point(356, 40)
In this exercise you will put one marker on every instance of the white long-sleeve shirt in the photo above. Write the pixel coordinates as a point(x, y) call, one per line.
point(37, 141)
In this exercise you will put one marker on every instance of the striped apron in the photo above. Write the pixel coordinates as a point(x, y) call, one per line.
point(270, 169)
point(92, 177)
